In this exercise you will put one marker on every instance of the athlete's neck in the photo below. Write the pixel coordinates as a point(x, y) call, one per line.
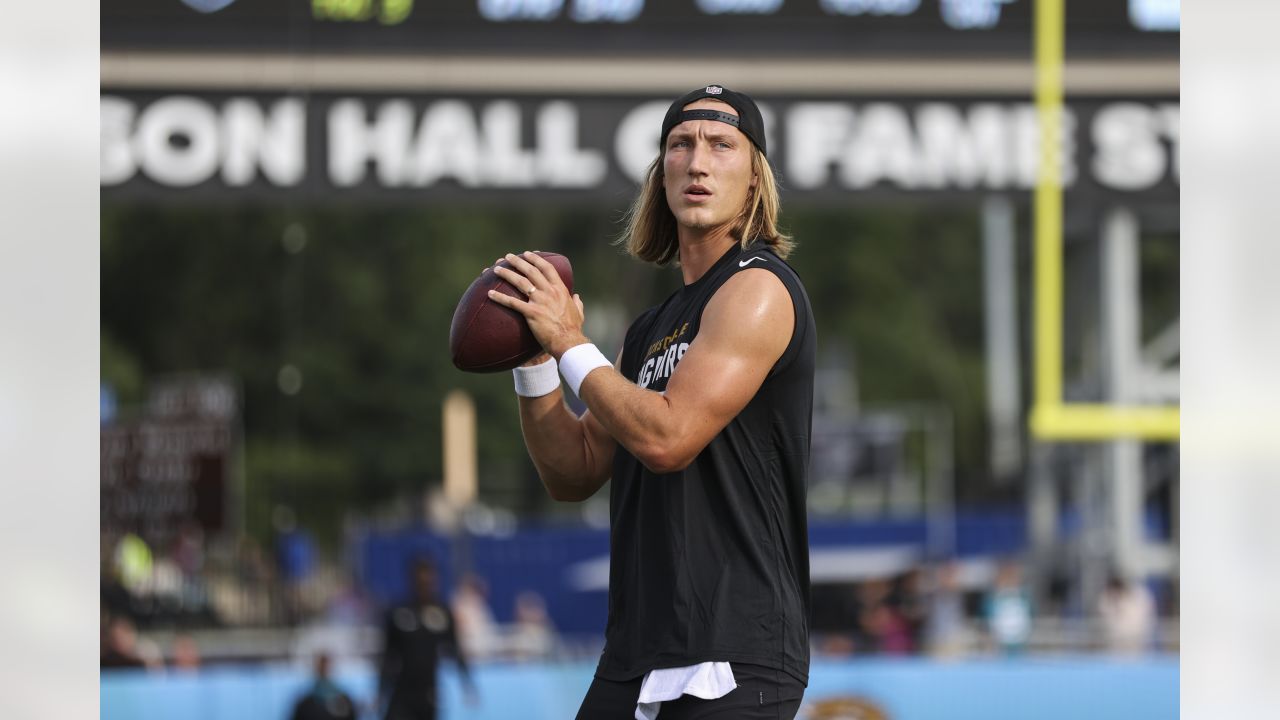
point(700, 249)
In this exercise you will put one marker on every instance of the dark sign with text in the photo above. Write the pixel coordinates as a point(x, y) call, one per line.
point(171, 463)
point(440, 149)
point(692, 27)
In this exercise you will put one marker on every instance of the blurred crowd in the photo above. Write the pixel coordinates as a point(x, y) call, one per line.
point(156, 602)
point(955, 609)
point(159, 604)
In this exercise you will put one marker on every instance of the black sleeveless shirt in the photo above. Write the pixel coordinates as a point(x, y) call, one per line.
point(711, 563)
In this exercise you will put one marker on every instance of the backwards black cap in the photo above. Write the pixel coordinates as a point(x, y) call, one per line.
point(748, 119)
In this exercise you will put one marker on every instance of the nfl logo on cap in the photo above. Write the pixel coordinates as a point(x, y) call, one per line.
point(714, 89)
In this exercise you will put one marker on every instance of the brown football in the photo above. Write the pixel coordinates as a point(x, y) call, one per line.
point(487, 337)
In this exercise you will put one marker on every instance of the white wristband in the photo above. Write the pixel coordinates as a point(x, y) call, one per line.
point(578, 361)
point(536, 380)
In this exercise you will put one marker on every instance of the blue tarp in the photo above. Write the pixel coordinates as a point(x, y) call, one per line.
point(545, 559)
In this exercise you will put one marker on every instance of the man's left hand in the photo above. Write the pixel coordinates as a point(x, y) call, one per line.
point(554, 316)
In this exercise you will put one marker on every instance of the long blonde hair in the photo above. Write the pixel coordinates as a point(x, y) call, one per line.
point(650, 233)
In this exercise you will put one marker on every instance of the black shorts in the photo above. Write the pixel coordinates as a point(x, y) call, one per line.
point(762, 694)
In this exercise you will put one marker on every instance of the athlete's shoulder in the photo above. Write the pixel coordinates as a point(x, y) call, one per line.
point(761, 255)
point(758, 269)
point(753, 288)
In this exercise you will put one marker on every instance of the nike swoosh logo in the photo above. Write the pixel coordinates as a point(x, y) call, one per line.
point(744, 263)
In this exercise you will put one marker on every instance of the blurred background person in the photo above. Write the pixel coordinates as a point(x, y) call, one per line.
point(882, 627)
point(946, 631)
point(909, 599)
point(295, 558)
point(122, 650)
point(133, 563)
point(324, 700)
point(1128, 616)
point(416, 634)
point(184, 653)
point(114, 597)
point(477, 629)
point(1008, 611)
point(187, 554)
point(533, 637)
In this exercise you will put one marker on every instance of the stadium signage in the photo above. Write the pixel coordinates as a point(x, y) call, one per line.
point(603, 27)
point(449, 147)
point(169, 463)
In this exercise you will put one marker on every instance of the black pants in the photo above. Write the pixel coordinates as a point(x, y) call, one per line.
point(762, 694)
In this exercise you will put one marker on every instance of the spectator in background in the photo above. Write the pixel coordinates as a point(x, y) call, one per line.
point(882, 626)
point(257, 577)
point(909, 600)
point(1128, 616)
point(185, 653)
point(188, 549)
point(416, 634)
point(324, 700)
point(1008, 610)
point(946, 631)
point(477, 630)
point(187, 554)
point(133, 563)
point(112, 594)
point(295, 557)
point(121, 649)
point(348, 605)
point(534, 637)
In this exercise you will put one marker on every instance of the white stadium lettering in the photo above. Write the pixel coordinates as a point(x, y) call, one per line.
point(739, 7)
point(636, 140)
point(1130, 151)
point(272, 140)
point(618, 11)
point(447, 146)
point(561, 162)
point(964, 149)
point(870, 7)
point(452, 143)
point(354, 142)
point(504, 162)
point(882, 149)
point(815, 132)
point(181, 141)
point(177, 141)
point(116, 163)
point(508, 10)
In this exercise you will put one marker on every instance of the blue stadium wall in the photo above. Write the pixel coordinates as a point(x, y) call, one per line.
point(545, 559)
point(1021, 689)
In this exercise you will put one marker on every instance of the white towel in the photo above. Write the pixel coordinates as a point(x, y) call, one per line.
point(708, 680)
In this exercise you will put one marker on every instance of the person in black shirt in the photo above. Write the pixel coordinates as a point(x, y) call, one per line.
point(703, 424)
point(324, 700)
point(416, 634)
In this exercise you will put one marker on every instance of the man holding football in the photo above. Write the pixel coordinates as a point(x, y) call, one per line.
point(703, 424)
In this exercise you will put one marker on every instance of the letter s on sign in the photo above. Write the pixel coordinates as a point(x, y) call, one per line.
point(1129, 154)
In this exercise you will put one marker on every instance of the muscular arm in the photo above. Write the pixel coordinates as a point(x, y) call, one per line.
point(744, 330)
point(573, 455)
